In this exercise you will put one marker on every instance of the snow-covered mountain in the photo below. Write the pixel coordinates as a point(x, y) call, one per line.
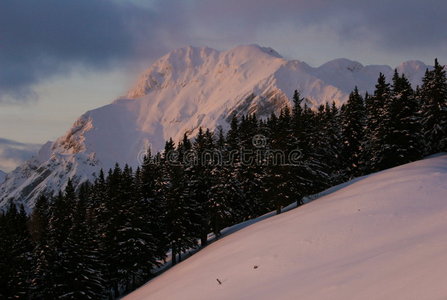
point(381, 236)
point(2, 176)
point(183, 90)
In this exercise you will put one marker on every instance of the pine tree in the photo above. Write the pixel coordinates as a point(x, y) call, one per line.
point(184, 150)
point(155, 210)
point(274, 177)
point(377, 125)
point(302, 143)
point(297, 111)
point(52, 260)
point(353, 116)
point(233, 165)
point(39, 232)
point(225, 190)
point(15, 254)
point(310, 171)
point(44, 278)
point(401, 139)
point(233, 135)
point(283, 179)
point(179, 224)
point(110, 218)
point(334, 144)
point(250, 169)
point(434, 109)
point(81, 257)
point(198, 183)
point(39, 218)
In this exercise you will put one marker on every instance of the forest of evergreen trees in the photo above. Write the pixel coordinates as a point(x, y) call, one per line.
point(108, 237)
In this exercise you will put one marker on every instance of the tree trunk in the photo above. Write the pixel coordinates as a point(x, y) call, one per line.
point(278, 209)
point(115, 290)
point(204, 240)
point(174, 256)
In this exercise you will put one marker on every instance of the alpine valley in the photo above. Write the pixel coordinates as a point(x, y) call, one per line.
point(184, 90)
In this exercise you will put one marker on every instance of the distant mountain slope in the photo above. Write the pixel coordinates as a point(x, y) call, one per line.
point(183, 90)
point(14, 153)
point(381, 237)
point(2, 176)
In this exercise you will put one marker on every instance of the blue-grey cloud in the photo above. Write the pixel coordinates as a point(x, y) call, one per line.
point(13, 153)
point(39, 39)
point(397, 24)
point(407, 28)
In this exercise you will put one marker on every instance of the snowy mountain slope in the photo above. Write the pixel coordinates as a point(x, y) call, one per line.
point(185, 89)
point(382, 237)
point(2, 176)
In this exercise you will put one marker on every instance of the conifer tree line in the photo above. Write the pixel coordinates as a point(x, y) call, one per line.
point(108, 237)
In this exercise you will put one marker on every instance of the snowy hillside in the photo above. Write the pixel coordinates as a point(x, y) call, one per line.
point(381, 237)
point(183, 90)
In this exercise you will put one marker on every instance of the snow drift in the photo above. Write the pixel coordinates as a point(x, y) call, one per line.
point(382, 236)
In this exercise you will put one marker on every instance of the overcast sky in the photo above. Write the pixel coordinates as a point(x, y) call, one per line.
point(59, 58)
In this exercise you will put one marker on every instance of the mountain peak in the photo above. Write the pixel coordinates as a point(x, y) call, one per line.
point(341, 64)
point(190, 54)
point(415, 65)
point(164, 69)
point(254, 49)
point(181, 65)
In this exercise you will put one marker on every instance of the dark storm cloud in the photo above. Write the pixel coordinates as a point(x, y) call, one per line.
point(44, 38)
point(410, 23)
point(40, 39)
point(398, 25)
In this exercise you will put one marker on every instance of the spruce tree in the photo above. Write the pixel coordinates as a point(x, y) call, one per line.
point(39, 232)
point(434, 109)
point(250, 169)
point(353, 119)
point(39, 218)
point(283, 180)
point(111, 219)
point(225, 190)
point(333, 142)
point(179, 224)
point(81, 258)
point(15, 254)
point(198, 183)
point(401, 140)
point(155, 209)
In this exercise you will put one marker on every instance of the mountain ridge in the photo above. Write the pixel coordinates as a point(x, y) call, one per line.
point(185, 89)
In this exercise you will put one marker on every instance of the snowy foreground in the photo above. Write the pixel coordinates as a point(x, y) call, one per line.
point(382, 237)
